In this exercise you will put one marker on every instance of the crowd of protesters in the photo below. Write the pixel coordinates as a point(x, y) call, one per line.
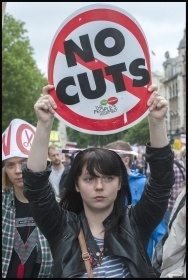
point(44, 211)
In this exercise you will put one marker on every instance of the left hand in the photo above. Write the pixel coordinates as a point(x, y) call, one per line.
point(157, 104)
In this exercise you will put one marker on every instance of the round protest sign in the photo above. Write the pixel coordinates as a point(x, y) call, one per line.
point(99, 64)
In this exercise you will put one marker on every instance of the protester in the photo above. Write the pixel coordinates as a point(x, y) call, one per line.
point(116, 235)
point(180, 173)
point(58, 167)
point(139, 164)
point(25, 251)
point(137, 182)
point(184, 156)
point(68, 159)
point(174, 248)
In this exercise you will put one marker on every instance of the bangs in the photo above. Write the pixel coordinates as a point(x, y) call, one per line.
point(101, 161)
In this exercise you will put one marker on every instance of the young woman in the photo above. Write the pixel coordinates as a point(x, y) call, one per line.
point(116, 235)
point(25, 251)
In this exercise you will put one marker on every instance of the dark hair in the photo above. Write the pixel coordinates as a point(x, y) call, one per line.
point(99, 160)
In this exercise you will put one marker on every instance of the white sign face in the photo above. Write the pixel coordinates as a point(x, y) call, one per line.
point(17, 139)
point(100, 66)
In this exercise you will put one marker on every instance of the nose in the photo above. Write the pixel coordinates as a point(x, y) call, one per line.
point(57, 155)
point(18, 167)
point(98, 184)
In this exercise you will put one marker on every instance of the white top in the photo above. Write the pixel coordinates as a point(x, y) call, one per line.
point(55, 177)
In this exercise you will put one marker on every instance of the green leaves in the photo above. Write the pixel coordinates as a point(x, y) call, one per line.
point(22, 81)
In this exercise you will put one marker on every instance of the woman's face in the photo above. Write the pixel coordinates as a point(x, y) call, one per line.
point(13, 168)
point(98, 193)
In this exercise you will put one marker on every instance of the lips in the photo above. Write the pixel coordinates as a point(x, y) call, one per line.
point(19, 179)
point(99, 198)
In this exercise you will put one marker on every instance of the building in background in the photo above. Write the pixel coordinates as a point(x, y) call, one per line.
point(172, 85)
point(157, 79)
point(175, 90)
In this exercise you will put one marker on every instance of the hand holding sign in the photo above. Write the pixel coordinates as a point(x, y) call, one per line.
point(100, 67)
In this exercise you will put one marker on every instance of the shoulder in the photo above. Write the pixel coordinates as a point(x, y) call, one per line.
point(8, 192)
point(179, 199)
point(66, 169)
point(7, 197)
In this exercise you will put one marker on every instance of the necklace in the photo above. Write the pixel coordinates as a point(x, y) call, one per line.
point(99, 256)
point(21, 267)
point(24, 222)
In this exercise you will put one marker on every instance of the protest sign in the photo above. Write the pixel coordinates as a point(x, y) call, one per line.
point(17, 139)
point(99, 64)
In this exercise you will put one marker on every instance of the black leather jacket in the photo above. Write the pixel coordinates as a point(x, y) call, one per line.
point(128, 239)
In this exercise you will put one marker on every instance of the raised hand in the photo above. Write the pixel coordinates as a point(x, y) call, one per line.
point(45, 105)
point(157, 104)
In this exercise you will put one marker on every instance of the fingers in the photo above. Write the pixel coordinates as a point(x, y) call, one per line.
point(153, 97)
point(46, 89)
point(157, 103)
point(47, 103)
point(153, 88)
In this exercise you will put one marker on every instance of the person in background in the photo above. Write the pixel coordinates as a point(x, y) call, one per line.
point(180, 177)
point(68, 159)
point(139, 164)
point(174, 248)
point(137, 182)
point(94, 200)
point(184, 156)
point(58, 167)
point(136, 179)
point(25, 251)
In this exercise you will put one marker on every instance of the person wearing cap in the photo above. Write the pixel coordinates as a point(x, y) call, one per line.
point(25, 250)
point(94, 200)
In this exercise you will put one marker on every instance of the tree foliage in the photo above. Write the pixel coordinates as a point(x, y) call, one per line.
point(138, 134)
point(85, 140)
point(22, 81)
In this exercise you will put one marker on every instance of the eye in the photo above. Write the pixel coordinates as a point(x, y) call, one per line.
point(10, 165)
point(109, 178)
point(89, 179)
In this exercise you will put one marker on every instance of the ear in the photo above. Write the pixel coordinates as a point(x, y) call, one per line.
point(126, 161)
point(119, 188)
point(77, 189)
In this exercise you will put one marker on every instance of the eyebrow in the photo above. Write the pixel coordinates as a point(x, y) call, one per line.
point(15, 161)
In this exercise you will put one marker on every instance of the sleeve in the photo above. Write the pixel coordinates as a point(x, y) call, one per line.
point(45, 209)
point(150, 209)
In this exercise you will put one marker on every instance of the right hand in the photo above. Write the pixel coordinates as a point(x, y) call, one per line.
point(45, 106)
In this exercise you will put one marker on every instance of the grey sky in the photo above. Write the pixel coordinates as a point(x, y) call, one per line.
point(162, 22)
